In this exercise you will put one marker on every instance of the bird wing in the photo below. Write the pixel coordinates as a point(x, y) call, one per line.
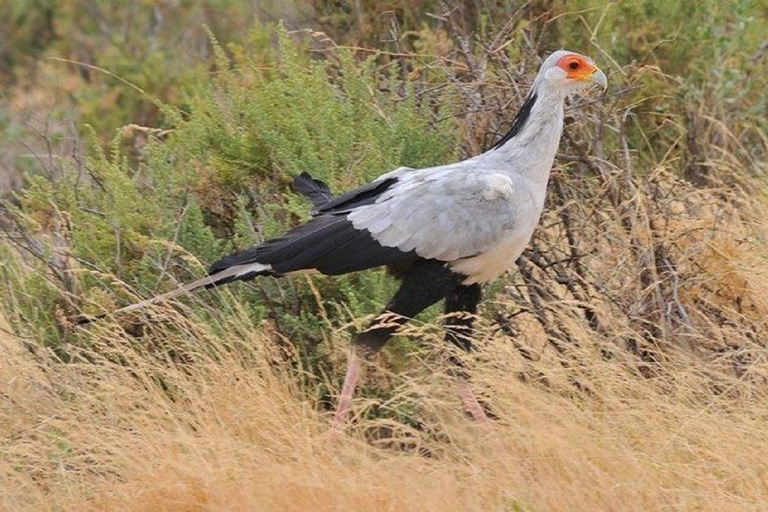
point(327, 242)
point(365, 194)
point(449, 213)
point(443, 213)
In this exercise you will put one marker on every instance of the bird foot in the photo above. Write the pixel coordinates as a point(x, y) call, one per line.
point(341, 417)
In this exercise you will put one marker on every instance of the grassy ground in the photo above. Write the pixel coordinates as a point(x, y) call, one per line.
point(625, 359)
point(99, 435)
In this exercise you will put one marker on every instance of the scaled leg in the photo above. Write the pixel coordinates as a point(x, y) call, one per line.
point(424, 284)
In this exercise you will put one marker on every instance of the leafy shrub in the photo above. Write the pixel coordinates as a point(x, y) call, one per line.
point(219, 180)
point(684, 119)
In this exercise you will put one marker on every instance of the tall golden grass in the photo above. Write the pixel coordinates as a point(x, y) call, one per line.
point(642, 388)
point(221, 427)
point(625, 362)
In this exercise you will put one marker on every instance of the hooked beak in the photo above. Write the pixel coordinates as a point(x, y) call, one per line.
point(599, 78)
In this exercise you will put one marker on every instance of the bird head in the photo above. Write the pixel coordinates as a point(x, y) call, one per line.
point(570, 72)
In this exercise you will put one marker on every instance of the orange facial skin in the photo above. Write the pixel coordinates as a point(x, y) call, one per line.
point(577, 67)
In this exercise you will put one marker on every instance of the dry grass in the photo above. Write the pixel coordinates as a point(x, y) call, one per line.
point(631, 376)
point(129, 429)
point(626, 362)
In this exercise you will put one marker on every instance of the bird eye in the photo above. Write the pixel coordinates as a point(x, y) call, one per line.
point(573, 65)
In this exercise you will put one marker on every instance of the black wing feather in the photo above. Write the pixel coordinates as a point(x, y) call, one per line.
point(328, 243)
point(324, 201)
point(367, 194)
point(313, 189)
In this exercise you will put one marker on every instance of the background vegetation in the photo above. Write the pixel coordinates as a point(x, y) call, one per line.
point(626, 360)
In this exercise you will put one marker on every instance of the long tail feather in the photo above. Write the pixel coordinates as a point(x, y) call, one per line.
point(226, 275)
point(285, 252)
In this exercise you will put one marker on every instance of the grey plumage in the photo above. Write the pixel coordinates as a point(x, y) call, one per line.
point(448, 228)
point(476, 216)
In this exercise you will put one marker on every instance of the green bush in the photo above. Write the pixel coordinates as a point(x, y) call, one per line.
point(219, 181)
point(225, 126)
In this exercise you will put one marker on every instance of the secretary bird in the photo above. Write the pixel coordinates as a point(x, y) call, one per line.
point(444, 230)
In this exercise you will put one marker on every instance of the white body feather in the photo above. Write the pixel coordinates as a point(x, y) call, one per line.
point(477, 215)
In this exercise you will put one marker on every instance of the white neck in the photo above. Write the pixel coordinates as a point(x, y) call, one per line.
point(531, 151)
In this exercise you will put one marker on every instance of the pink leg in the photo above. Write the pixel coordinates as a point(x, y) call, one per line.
point(470, 402)
point(347, 390)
